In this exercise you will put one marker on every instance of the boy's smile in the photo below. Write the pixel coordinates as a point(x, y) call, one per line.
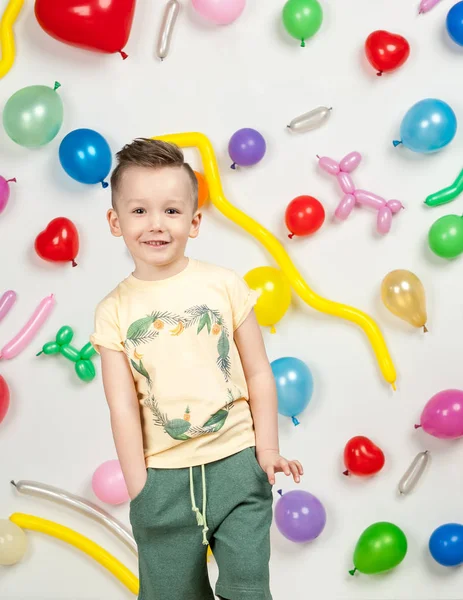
point(154, 214)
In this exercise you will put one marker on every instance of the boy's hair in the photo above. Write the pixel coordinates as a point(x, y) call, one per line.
point(155, 154)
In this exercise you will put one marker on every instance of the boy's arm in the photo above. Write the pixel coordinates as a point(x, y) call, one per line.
point(125, 418)
point(263, 400)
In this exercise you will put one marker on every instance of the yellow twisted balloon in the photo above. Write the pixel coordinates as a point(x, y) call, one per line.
point(81, 542)
point(269, 241)
point(7, 36)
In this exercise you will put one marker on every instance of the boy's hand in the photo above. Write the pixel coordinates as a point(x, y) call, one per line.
point(272, 462)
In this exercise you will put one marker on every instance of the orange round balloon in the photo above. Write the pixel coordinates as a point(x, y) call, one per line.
point(203, 189)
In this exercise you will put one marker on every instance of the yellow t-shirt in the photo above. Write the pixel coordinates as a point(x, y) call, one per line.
point(177, 334)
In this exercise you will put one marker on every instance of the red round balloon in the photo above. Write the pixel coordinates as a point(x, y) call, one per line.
point(362, 457)
point(4, 398)
point(386, 51)
point(304, 215)
point(90, 24)
point(59, 242)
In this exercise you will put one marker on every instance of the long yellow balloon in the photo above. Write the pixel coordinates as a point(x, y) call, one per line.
point(77, 540)
point(276, 249)
point(7, 36)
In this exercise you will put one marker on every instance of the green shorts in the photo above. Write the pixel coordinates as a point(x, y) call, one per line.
point(170, 536)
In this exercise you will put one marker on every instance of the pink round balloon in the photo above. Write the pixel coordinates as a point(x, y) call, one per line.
point(108, 483)
point(442, 417)
point(220, 12)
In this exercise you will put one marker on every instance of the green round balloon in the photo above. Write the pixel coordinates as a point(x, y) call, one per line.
point(33, 115)
point(381, 547)
point(302, 18)
point(446, 236)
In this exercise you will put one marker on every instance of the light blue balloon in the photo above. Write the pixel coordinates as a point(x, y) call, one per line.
point(294, 383)
point(86, 156)
point(428, 126)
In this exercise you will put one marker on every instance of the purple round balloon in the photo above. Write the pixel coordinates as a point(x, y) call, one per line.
point(246, 147)
point(300, 516)
point(442, 417)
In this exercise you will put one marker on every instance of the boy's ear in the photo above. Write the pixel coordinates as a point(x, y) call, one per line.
point(195, 223)
point(113, 221)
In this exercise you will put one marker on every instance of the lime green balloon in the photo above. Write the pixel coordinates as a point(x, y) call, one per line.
point(33, 115)
point(381, 547)
point(446, 236)
point(302, 18)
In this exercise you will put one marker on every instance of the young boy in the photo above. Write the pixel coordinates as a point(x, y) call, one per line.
point(190, 390)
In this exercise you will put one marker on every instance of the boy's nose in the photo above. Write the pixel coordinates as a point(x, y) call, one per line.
point(157, 223)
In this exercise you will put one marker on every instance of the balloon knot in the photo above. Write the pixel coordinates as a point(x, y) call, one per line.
point(346, 473)
point(425, 329)
point(353, 571)
point(233, 166)
point(379, 73)
point(290, 235)
point(417, 426)
point(41, 352)
point(302, 44)
point(74, 264)
point(396, 143)
point(295, 421)
point(57, 85)
point(12, 180)
point(272, 329)
point(280, 492)
point(13, 483)
point(123, 54)
point(104, 184)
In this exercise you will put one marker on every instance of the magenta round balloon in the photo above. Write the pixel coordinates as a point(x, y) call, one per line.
point(442, 417)
point(300, 516)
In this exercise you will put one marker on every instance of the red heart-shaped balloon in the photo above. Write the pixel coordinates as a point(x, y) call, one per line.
point(386, 51)
point(362, 457)
point(90, 24)
point(59, 242)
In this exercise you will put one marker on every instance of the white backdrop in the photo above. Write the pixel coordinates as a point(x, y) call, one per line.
point(217, 80)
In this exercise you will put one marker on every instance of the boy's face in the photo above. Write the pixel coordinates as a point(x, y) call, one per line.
point(154, 214)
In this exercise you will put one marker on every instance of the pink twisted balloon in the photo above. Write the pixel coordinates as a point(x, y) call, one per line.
point(353, 196)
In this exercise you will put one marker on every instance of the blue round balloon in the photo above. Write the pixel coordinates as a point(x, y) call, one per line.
point(86, 156)
point(455, 23)
point(294, 383)
point(428, 126)
point(446, 545)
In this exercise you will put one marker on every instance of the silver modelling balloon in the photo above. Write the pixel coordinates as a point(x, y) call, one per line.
point(167, 27)
point(310, 120)
point(42, 490)
point(414, 472)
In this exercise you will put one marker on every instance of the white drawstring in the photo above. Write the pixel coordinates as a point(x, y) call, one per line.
point(200, 518)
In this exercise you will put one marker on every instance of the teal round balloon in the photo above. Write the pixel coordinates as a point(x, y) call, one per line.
point(33, 116)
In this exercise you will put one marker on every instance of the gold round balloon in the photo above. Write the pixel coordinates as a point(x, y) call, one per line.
point(13, 543)
point(403, 294)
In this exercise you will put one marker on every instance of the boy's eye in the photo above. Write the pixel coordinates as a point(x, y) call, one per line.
point(139, 211)
point(172, 211)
